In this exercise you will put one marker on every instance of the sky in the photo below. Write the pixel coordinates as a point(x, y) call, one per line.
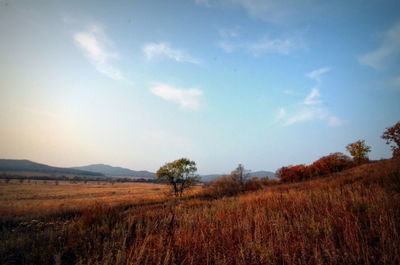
point(141, 83)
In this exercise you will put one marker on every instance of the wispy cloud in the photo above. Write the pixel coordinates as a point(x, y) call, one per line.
point(93, 42)
point(304, 114)
point(283, 46)
point(314, 95)
point(311, 107)
point(316, 74)
point(281, 113)
point(278, 12)
point(187, 98)
point(387, 52)
point(164, 49)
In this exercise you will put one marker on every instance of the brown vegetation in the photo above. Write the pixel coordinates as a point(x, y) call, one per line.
point(34, 198)
point(324, 166)
point(352, 217)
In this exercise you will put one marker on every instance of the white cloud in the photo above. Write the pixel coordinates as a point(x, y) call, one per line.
point(228, 46)
point(316, 74)
point(187, 98)
point(278, 12)
point(279, 46)
point(304, 114)
point(283, 46)
point(388, 51)
point(92, 42)
point(334, 121)
point(311, 107)
point(312, 98)
point(314, 95)
point(164, 49)
point(281, 113)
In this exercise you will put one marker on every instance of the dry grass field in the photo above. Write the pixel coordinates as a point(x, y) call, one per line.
point(352, 217)
point(36, 197)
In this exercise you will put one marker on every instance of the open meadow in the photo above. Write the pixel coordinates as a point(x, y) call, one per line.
point(20, 199)
point(352, 217)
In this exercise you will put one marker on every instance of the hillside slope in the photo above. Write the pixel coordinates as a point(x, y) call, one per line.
point(111, 171)
point(12, 165)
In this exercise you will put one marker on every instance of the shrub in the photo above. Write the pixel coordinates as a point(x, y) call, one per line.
point(332, 163)
point(292, 173)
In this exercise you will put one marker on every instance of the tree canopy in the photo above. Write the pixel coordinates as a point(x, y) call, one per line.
point(180, 174)
point(392, 137)
point(359, 151)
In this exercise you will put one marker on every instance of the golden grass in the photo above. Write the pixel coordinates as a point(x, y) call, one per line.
point(43, 197)
point(349, 218)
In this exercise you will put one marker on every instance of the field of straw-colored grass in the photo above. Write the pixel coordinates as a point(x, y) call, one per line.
point(37, 197)
point(351, 217)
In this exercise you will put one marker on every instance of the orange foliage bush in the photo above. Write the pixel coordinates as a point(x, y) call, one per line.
point(326, 165)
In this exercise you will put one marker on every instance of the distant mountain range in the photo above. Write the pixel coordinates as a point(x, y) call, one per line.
point(111, 171)
point(11, 165)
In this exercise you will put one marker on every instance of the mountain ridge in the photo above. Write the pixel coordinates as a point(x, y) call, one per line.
point(24, 165)
point(113, 171)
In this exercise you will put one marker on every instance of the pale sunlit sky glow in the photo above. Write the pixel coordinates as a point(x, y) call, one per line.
point(140, 83)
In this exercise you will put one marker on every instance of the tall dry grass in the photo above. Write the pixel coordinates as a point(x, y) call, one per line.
point(350, 218)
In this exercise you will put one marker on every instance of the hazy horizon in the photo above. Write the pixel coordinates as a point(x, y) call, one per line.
point(137, 84)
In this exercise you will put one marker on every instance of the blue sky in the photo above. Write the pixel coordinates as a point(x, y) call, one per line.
point(140, 83)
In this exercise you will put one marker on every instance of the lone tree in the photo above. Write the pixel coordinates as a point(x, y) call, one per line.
point(240, 174)
point(392, 137)
point(179, 174)
point(359, 151)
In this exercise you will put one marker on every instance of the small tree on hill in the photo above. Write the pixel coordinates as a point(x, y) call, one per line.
point(359, 151)
point(392, 137)
point(179, 174)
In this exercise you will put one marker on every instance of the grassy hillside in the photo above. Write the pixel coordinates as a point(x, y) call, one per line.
point(352, 217)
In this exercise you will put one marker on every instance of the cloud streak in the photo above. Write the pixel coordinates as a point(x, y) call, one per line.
point(188, 99)
point(277, 12)
point(387, 52)
point(311, 107)
point(283, 46)
point(314, 95)
point(92, 43)
point(164, 49)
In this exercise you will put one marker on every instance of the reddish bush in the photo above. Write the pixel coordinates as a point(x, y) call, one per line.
point(292, 173)
point(392, 137)
point(332, 163)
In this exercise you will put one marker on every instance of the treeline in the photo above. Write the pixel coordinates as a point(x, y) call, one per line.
point(337, 162)
point(9, 177)
point(238, 181)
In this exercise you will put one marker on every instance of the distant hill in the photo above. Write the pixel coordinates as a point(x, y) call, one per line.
point(111, 171)
point(255, 174)
point(12, 165)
